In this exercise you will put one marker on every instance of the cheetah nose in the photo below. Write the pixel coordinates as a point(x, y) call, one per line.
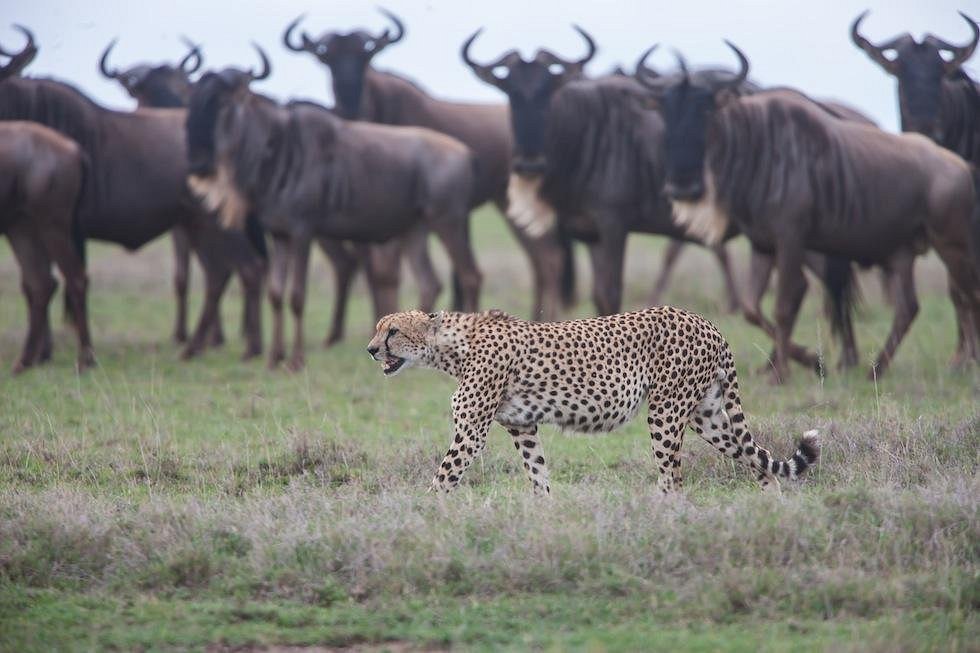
point(373, 351)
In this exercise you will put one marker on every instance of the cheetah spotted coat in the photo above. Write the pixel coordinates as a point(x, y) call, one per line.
point(590, 376)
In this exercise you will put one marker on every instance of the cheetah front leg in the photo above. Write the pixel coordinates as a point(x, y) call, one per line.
point(473, 409)
point(528, 445)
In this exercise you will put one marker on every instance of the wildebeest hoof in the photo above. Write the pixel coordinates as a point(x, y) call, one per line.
point(776, 377)
point(19, 367)
point(332, 340)
point(188, 353)
point(251, 353)
point(85, 360)
point(180, 337)
point(296, 364)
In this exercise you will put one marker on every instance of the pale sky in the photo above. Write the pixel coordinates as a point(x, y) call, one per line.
point(805, 45)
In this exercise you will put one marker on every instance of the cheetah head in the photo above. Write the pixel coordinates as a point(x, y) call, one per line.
point(402, 340)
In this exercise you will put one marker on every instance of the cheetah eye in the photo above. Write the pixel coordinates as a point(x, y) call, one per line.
point(392, 331)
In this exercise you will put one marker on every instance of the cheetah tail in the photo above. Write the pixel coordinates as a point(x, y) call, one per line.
point(805, 457)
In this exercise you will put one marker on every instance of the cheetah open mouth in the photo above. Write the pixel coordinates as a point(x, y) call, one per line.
point(392, 364)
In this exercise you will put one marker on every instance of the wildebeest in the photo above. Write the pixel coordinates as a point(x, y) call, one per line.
point(306, 172)
point(159, 87)
point(41, 176)
point(364, 93)
point(136, 188)
point(587, 151)
point(792, 177)
point(936, 96)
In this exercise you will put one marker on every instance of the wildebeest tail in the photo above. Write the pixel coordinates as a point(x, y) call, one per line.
point(77, 230)
point(842, 294)
point(256, 235)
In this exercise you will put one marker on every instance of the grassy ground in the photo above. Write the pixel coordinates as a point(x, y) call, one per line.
point(155, 505)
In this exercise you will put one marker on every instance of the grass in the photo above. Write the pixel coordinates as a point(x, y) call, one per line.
point(156, 505)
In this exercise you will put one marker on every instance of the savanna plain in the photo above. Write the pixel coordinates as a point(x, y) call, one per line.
point(151, 504)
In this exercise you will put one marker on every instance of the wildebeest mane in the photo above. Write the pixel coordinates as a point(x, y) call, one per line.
point(763, 152)
point(285, 159)
point(55, 104)
point(960, 107)
point(599, 139)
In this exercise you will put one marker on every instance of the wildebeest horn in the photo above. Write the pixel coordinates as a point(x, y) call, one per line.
point(195, 54)
point(590, 42)
point(644, 73)
point(465, 51)
point(30, 42)
point(306, 46)
point(266, 66)
point(386, 39)
point(19, 60)
point(960, 52)
point(743, 63)
point(104, 61)
point(876, 52)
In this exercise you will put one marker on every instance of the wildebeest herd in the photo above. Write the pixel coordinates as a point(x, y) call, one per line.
point(249, 184)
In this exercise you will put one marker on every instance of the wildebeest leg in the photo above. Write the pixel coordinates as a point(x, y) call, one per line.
point(454, 233)
point(300, 261)
point(383, 265)
point(964, 283)
point(182, 271)
point(760, 272)
point(416, 250)
point(902, 281)
point(544, 253)
point(278, 270)
point(671, 255)
point(731, 288)
point(38, 285)
point(790, 290)
point(216, 276)
point(608, 256)
point(251, 273)
point(63, 251)
point(344, 266)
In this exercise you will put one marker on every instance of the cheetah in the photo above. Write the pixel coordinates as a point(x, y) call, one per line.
point(589, 376)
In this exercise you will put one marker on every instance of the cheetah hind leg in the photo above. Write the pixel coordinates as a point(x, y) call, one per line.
point(720, 421)
point(666, 426)
point(528, 445)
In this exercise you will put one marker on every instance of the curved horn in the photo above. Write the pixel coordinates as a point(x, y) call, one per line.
point(465, 51)
point(30, 42)
point(19, 60)
point(104, 62)
point(266, 66)
point(195, 54)
point(876, 52)
point(589, 42)
point(307, 43)
point(743, 63)
point(642, 71)
point(960, 52)
point(386, 39)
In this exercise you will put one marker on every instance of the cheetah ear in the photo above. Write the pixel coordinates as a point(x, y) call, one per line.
point(435, 321)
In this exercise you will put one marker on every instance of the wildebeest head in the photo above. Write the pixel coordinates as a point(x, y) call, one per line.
point(920, 69)
point(18, 60)
point(529, 86)
point(156, 86)
point(688, 104)
point(348, 56)
point(212, 94)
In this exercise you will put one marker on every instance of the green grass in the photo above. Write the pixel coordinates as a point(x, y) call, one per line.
point(156, 505)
